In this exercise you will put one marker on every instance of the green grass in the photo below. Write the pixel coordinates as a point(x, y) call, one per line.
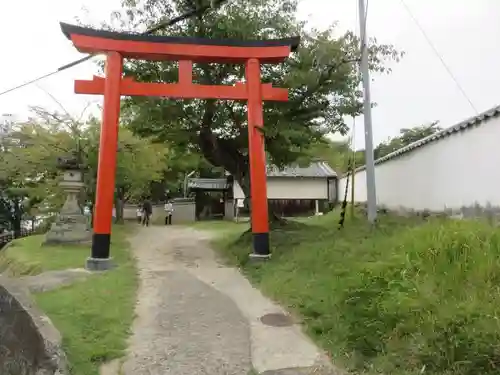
point(26, 256)
point(94, 316)
point(222, 227)
point(410, 296)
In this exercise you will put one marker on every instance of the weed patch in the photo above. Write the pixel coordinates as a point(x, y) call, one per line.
point(407, 296)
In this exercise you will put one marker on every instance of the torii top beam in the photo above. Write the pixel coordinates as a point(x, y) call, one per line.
point(154, 47)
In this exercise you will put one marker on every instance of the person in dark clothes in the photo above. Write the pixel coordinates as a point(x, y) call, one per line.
point(147, 210)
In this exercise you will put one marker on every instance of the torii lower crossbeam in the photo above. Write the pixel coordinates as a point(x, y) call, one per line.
point(118, 46)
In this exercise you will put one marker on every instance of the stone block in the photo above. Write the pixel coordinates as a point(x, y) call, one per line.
point(96, 264)
point(29, 343)
point(69, 229)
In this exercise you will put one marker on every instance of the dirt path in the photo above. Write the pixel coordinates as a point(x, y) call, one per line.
point(195, 316)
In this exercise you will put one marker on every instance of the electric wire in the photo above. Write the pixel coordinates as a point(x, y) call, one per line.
point(195, 12)
point(438, 55)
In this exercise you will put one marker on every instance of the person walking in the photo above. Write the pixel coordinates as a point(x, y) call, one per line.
point(138, 214)
point(147, 210)
point(169, 210)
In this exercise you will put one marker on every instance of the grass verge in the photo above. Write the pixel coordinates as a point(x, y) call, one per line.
point(410, 296)
point(94, 316)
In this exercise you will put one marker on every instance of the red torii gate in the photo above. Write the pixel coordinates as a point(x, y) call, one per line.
point(186, 50)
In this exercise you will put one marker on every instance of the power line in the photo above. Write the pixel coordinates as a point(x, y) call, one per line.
point(436, 52)
point(195, 12)
point(29, 82)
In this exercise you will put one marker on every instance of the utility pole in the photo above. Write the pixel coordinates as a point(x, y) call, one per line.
point(371, 194)
point(353, 164)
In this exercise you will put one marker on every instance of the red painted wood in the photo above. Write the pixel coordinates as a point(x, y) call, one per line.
point(258, 176)
point(129, 87)
point(193, 52)
point(113, 86)
point(185, 72)
point(108, 143)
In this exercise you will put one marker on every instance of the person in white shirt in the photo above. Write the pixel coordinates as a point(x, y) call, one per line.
point(169, 210)
point(138, 214)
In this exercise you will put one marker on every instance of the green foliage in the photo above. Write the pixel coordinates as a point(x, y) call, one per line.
point(338, 153)
point(139, 161)
point(23, 185)
point(410, 296)
point(322, 77)
point(29, 170)
point(406, 137)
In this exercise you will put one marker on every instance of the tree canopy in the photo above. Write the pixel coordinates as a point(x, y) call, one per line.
point(406, 137)
point(322, 77)
point(28, 170)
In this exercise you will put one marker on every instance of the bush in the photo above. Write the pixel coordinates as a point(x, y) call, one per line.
point(431, 302)
point(411, 296)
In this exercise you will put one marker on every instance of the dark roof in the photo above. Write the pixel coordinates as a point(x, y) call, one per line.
point(315, 169)
point(460, 127)
point(208, 183)
point(67, 29)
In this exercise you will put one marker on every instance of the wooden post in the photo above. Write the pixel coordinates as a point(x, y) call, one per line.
point(107, 162)
point(258, 175)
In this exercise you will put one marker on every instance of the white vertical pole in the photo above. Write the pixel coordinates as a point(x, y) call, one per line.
point(367, 112)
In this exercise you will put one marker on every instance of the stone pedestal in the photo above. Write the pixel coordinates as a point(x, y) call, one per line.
point(96, 264)
point(256, 258)
point(71, 226)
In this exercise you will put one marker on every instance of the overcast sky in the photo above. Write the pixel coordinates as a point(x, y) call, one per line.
point(419, 90)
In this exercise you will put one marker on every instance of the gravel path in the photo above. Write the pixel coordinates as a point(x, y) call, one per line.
point(197, 317)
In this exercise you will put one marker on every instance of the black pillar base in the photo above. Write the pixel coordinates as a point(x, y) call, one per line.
point(261, 248)
point(99, 260)
point(100, 245)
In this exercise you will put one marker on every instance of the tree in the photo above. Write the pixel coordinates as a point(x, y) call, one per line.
point(322, 77)
point(30, 161)
point(139, 162)
point(407, 136)
point(336, 153)
point(23, 185)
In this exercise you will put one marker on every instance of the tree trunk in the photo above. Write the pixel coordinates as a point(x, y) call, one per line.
point(17, 219)
point(92, 215)
point(119, 208)
point(16, 226)
point(226, 153)
point(274, 218)
point(119, 205)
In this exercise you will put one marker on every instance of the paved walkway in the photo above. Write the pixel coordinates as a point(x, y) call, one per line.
point(197, 317)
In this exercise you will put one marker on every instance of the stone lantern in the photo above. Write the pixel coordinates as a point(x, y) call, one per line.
point(71, 226)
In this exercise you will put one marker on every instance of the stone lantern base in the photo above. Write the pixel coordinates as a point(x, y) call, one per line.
point(71, 226)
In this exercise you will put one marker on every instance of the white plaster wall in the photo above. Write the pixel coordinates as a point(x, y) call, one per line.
point(459, 170)
point(291, 188)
